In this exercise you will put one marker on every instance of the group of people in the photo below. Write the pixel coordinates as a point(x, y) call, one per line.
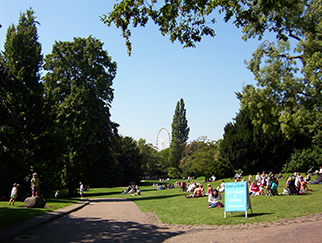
point(297, 184)
point(262, 183)
point(162, 187)
point(318, 179)
point(213, 194)
point(132, 189)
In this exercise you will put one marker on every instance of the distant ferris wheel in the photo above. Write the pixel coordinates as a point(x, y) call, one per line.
point(163, 139)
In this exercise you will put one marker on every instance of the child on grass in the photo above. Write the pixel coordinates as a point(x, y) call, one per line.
point(14, 194)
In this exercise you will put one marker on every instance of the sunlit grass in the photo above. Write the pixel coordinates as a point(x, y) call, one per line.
point(172, 207)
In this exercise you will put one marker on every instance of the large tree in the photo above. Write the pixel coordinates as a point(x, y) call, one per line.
point(289, 82)
point(23, 99)
point(179, 137)
point(245, 146)
point(79, 81)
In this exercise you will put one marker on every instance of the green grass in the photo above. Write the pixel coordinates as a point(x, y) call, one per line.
point(172, 207)
point(17, 213)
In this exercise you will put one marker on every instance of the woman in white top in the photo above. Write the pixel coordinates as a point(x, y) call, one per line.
point(213, 199)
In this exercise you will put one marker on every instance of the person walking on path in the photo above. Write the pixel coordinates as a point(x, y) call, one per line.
point(35, 183)
point(14, 194)
point(81, 190)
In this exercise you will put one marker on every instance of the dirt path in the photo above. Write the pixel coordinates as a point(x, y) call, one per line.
point(118, 220)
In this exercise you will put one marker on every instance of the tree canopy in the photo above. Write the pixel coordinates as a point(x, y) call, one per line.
point(79, 82)
point(189, 21)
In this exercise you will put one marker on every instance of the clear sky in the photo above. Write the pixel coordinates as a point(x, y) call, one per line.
point(149, 84)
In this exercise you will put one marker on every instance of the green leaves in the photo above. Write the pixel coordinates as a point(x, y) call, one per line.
point(180, 134)
point(79, 82)
point(183, 21)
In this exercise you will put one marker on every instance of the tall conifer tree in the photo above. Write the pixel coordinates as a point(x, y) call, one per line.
point(180, 135)
point(22, 60)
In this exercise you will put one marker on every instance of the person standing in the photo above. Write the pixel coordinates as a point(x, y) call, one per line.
point(14, 194)
point(35, 183)
point(81, 190)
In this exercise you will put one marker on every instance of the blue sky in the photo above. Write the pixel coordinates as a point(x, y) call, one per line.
point(149, 84)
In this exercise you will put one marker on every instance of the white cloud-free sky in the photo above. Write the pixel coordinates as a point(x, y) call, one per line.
point(149, 84)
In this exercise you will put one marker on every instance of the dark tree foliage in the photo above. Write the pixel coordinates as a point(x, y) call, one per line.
point(247, 147)
point(24, 101)
point(129, 158)
point(79, 83)
point(13, 165)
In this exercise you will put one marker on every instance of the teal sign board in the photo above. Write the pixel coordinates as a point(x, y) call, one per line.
point(236, 197)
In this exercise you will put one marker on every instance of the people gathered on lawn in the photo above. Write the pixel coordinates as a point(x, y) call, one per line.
point(262, 184)
point(198, 192)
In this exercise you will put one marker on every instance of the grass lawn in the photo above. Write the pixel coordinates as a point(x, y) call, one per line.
point(16, 213)
point(172, 207)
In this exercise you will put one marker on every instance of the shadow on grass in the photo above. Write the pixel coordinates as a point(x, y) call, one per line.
point(249, 215)
point(9, 216)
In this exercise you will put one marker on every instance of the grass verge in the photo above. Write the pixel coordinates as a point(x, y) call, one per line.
point(172, 207)
point(16, 213)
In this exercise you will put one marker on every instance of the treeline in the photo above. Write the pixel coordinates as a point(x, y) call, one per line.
point(58, 124)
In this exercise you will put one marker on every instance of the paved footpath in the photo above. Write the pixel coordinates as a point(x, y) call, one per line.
point(118, 220)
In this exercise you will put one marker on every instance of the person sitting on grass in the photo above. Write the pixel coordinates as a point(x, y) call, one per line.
point(210, 189)
point(213, 200)
point(192, 187)
point(183, 187)
point(303, 186)
point(254, 189)
point(307, 177)
point(221, 187)
point(318, 179)
point(202, 190)
point(137, 193)
point(198, 192)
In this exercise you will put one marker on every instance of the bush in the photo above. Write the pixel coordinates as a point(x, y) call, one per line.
point(302, 159)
